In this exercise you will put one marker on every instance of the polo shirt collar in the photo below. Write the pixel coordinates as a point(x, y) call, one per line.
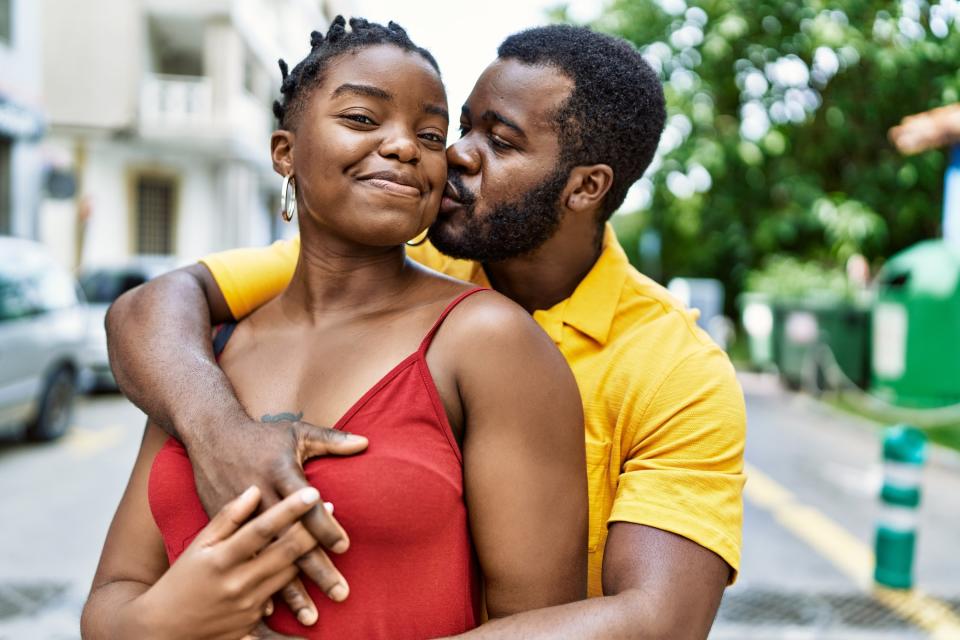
point(593, 305)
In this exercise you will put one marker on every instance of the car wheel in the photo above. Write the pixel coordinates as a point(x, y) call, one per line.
point(56, 407)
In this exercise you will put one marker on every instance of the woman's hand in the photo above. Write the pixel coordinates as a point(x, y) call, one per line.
point(220, 587)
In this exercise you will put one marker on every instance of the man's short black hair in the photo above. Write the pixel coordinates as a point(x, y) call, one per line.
point(615, 113)
point(308, 73)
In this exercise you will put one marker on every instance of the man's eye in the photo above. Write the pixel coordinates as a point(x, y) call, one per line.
point(359, 117)
point(499, 144)
point(464, 130)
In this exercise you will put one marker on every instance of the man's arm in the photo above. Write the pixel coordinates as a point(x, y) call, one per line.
point(159, 340)
point(659, 586)
point(165, 325)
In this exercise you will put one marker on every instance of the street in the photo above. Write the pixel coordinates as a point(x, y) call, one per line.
point(810, 505)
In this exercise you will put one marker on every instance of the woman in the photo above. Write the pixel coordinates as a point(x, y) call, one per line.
point(475, 464)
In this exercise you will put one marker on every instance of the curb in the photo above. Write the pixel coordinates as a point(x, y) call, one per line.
point(939, 455)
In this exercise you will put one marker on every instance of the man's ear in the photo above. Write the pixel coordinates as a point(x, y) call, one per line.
point(587, 186)
point(281, 151)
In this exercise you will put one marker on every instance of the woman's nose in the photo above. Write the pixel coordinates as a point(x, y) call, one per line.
point(402, 146)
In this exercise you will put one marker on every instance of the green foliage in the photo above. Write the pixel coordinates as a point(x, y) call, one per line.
point(789, 278)
point(785, 106)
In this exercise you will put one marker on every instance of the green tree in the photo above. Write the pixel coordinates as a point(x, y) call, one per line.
point(776, 140)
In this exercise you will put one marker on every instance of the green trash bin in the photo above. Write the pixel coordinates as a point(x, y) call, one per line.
point(816, 326)
point(916, 327)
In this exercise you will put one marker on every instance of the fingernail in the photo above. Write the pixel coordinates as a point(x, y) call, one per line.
point(339, 592)
point(355, 438)
point(309, 495)
point(306, 616)
point(328, 506)
point(340, 547)
point(248, 491)
point(269, 609)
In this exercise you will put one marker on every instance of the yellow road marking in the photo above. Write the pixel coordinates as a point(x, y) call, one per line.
point(84, 442)
point(848, 554)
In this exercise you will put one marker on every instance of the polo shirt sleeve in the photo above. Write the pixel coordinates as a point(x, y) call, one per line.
point(683, 456)
point(249, 278)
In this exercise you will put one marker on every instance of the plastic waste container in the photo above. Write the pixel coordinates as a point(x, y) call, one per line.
point(916, 327)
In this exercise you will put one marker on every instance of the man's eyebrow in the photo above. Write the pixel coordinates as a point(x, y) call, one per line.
point(363, 90)
point(499, 117)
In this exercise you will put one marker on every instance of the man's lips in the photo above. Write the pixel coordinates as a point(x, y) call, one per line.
point(393, 182)
point(449, 205)
point(451, 199)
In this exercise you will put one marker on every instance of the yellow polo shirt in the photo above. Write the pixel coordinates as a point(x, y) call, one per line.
point(664, 415)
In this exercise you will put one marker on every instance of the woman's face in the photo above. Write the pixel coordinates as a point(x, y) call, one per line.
point(368, 153)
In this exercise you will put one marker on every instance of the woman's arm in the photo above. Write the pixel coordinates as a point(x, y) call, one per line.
point(220, 585)
point(524, 467)
point(161, 354)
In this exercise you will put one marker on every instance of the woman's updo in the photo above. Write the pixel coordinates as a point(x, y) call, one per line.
point(309, 72)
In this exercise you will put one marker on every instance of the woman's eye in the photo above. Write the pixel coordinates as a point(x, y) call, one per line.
point(434, 137)
point(359, 117)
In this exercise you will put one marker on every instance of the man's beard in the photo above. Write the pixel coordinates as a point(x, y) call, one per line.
point(511, 229)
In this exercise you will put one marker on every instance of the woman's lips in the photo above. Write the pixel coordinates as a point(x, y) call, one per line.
point(393, 187)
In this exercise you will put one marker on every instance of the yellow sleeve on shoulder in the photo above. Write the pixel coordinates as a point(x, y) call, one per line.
point(683, 470)
point(250, 277)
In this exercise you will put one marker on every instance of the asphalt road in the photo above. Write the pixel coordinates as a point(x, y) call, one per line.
point(810, 507)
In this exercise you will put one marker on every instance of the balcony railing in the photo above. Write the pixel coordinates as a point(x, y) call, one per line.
point(175, 101)
point(181, 110)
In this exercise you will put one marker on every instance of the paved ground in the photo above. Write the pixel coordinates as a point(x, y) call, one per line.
point(808, 527)
point(810, 508)
point(57, 502)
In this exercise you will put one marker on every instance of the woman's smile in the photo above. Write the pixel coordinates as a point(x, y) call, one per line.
point(394, 183)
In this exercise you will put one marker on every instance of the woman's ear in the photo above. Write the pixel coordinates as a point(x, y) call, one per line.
point(281, 151)
point(587, 186)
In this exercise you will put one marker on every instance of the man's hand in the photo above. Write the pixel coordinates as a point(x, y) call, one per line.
point(263, 632)
point(271, 456)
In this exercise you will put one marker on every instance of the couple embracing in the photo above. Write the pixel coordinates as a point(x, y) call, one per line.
point(523, 437)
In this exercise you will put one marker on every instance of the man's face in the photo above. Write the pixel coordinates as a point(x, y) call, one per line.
point(504, 179)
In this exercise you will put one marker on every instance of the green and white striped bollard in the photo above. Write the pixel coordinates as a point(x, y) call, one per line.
point(904, 452)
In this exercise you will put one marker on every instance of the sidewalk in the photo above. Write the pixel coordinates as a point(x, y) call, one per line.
point(810, 505)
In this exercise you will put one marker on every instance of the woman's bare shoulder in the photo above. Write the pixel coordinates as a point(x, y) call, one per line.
point(491, 324)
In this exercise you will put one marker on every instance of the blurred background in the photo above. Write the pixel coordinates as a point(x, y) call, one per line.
point(805, 198)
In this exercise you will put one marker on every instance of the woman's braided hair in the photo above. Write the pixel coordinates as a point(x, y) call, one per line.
point(309, 72)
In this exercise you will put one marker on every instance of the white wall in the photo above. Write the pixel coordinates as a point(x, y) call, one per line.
point(92, 61)
point(21, 84)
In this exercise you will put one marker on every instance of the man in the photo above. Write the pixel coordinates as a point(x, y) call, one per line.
point(554, 133)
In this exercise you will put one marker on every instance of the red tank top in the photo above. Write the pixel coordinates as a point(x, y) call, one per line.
point(411, 566)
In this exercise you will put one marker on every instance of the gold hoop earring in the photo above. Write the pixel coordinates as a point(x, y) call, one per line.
point(417, 243)
point(288, 204)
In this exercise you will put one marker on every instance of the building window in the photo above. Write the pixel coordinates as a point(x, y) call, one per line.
point(155, 214)
point(6, 21)
point(6, 179)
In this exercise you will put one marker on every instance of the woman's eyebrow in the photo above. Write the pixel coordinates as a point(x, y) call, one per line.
point(436, 110)
point(362, 90)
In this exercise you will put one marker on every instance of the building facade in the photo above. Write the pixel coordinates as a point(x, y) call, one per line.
point(21, 117)
point(160, 113)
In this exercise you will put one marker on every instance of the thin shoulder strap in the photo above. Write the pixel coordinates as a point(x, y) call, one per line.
point(443, 316)
point(223, 333)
